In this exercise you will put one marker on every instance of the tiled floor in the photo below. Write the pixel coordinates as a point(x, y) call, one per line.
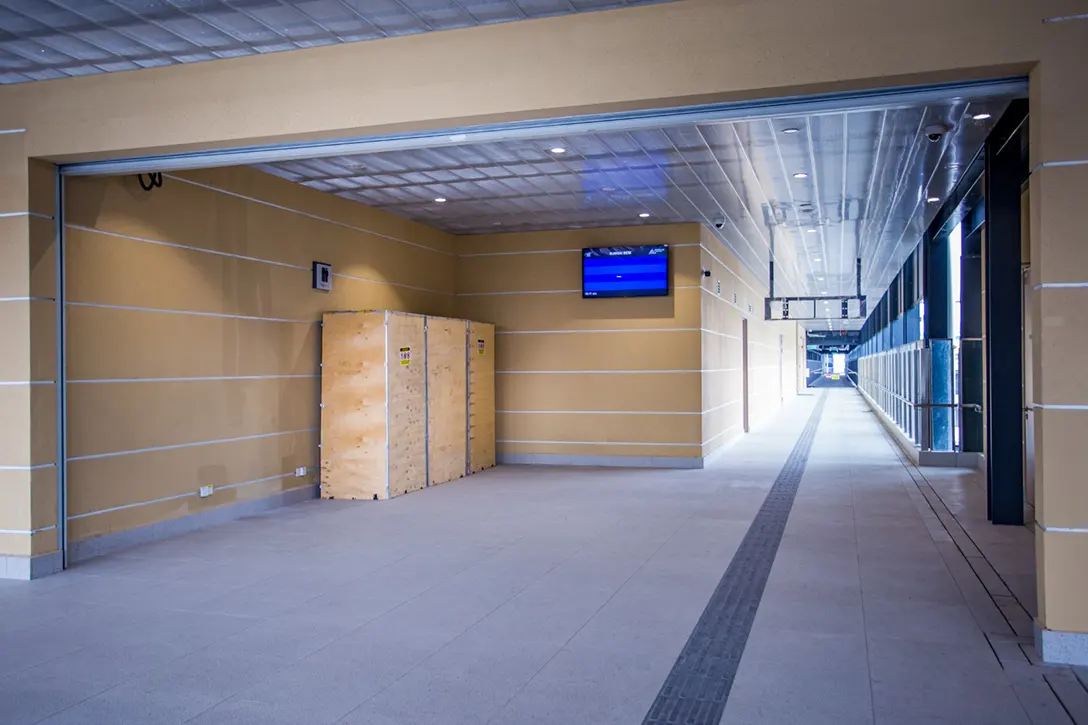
point(552, 596)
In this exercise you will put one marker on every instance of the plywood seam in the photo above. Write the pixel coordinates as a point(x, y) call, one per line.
point(245, 258)
point(309, 215)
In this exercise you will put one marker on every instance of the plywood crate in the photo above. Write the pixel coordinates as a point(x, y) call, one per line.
point(404, 402)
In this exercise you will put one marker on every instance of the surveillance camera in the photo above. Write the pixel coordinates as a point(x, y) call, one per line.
point(936, 131)
point(719, 223)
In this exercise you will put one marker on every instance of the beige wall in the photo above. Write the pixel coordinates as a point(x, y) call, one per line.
point(596, 377)
point(27, 362)
point(732, 294)
point(663, 55)
point(1059, 274)
point(671, 54)
point(193, 335)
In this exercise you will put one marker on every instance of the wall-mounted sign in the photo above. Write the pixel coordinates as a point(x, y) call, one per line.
point(406, 356)
point(480, 347)
point(323, 276)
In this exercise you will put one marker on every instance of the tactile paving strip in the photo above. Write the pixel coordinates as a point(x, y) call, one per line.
point(697, 688)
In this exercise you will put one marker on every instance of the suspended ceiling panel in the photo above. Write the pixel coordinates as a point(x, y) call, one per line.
point(44, 39)
point(814, 193)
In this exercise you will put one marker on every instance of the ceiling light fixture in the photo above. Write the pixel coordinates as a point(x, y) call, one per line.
point(800, 175)
point(644, 215)
point(933, 199)
point(817, 259)
point(440, 200)
point(981, 116)
point(558, 150)
point(811, 231)
point(791, 129)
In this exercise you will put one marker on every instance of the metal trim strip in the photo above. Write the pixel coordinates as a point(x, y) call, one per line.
point(568, 125)
point(176, 446)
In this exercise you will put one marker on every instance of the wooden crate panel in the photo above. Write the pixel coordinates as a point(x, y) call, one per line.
point(407, 404)
point(353, 418)
point(447, 379)
point(481, 397)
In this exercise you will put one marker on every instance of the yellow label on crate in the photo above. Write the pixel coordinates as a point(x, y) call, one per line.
point(406, 356)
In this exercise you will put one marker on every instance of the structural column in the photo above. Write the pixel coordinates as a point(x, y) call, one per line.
point(1059, 278)
point(28, 401)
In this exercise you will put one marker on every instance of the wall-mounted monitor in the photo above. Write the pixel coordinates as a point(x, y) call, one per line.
point(626, 271)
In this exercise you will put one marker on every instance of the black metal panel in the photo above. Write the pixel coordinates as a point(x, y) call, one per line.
point(1005, 174)
point(938, 321)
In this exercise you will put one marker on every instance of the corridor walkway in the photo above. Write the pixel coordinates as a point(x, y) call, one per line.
point(549, 596)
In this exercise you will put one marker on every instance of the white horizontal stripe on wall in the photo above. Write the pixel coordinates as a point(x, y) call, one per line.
point(14, 383)
point(592, 372)
point(720, 334)
point(192, 379)
point(221, 315)
point(245, 258)
point(27, 532)
point(308, 215)
point(547, 292)
point(729, 269)
point(1061, 285)
point(732, 304)
point(551, 251)
point(589, 331)
point(5, 131)
point(1060, 529)
point(714, 438)
point(723, 405)
point(27, 299)
point(522, 292)
point(1059, 406)
point(37, 467)
point(190, 494)
point(597, 443)
point(192, 445)
point(35, 214)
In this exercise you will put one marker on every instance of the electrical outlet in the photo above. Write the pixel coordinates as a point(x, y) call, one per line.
point(300, 471)
point(206, 491)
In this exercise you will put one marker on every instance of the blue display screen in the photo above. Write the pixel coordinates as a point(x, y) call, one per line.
point(626, 271)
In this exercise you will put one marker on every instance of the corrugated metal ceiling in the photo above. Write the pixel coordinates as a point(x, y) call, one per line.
point(822, 189)
point(45, 39)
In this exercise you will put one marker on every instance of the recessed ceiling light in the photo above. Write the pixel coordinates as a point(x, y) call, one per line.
point(981, 116)
point(811, 231)
point(791, 129)
point(821, 279)
point(644, 215)
point(440, 199)
point(933, 199)
point(608, 188)
point(558, 150)
point(817, 259)
point(800, 175)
